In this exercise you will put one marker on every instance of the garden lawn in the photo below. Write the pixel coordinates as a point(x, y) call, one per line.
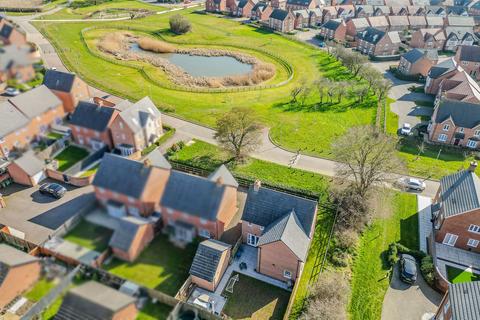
point(90, 236)
point(256, 300)
point(370, 278)
point(456, 275)
point(310, 126)
point(161, 266)
point(70, 156)
point(39, 290)
point(90, 171)
point(154, 311)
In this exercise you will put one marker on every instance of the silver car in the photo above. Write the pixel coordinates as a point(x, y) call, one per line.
point(412, 184)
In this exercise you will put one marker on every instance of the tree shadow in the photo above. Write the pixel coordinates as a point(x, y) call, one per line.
point(333, 106)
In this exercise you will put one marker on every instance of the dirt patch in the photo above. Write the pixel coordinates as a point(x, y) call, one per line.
point(119, 43)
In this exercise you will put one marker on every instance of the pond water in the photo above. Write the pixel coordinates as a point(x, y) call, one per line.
point(200, 66)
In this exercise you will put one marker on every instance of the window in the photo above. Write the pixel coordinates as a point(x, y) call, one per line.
point(450, 239)
point(461, 130)
point(169, 211)
point(472, 243)
point(474, 228)
point(204, 233)
point(477, 133)
point(446, 127)
point(442, 137)
point(287, 274)
point(252, 240)
point(472, 144)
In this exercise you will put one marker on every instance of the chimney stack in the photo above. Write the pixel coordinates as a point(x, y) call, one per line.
point(256, 185)
point(473, 166)
point(147, 163)
point(219, 181)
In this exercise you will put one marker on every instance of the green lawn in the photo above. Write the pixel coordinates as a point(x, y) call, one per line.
point(310, 127)
point(90, 171)
point(153, 311)
point(370, 279)
point(54, 135)
point(456, 275)
point(52, 310)
point(256, 300)
point(90, 236)
point(40, 289)
point(70, 156)
point(161, 266)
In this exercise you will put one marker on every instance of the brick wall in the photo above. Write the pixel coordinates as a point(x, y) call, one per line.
point(18, 280)
point(458, 225)
point(274, 258)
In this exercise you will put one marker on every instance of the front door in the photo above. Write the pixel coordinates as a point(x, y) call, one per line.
point(456, 142)
point(252, 240)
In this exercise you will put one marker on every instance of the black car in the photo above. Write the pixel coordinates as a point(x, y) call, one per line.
point(53, 189)
point(408, 269)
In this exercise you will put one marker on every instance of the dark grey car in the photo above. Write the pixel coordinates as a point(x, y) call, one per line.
point(53, 189)
point(408, 269)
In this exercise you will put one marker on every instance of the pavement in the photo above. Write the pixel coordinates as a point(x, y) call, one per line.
point(413, 302)
point(267, 151)
point(424, 208)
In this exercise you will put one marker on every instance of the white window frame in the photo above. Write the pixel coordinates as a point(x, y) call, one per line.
point(450, 239)
point(446, 127)
point(442, 137)
point(473, 243)
point(474, 228)
point(252, 240)
point(204, 233)
point(477, 133)
point(287, 274)
point(471, 144)
point(461, 129)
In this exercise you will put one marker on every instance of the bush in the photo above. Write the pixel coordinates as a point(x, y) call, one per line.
point(417, 254)
point(346, 240)
point(352, 209)
point(427, 269)
point(339, 258)
point(392, 254)
point(179, 24)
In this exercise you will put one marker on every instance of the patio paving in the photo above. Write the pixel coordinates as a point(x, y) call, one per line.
point(218, 301)
point(424, 223)
point(458, 258)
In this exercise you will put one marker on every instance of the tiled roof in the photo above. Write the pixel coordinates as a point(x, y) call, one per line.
point(58, 80)
point(461, 21)
point(125, 233)
point(414, 55)
point(360, 23)
point(92, 116)
point(378, 21)
point(465, 300)
point(12, 55)
point(36, 101)
point(463, 114)
point(207, 258)
point(12, 257)
point(157, 159)
point(417, 20)
point(462, 85)
point(459, 192)
point(371, 35)
point(137, 115)
point(279, 14)
point(469, 53)
point(398, 21)
point(225, 175)
point(304, 3)
point(434, 20)
point(442, 68)
point(332, 24)
point(30, 164)
point(12, 119)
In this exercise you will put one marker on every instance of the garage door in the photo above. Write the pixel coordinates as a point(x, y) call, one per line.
point(38, 177)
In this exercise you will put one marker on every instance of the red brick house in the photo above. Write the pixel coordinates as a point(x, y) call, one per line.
point(243, 8)
point(292, 5)
point(455, 122)
point(11, 35)
point(67, 87)
point(460, 302)
point(417, 62)
point(444, 70)
point(456, 210)
point(26, 117)
point(281, 20)
point(91, 125)
point(27, 170)
point(468, 57)
point(18, 272)
point(209, 264)
point(130, 237)
point(281, 226)
point(428, 39)
point(93, 300)
point(460, 87)
point(356, 25)
point(375, 42)
point(334, 30)
point(261, 11)
point(216, 6)
point(329, 13)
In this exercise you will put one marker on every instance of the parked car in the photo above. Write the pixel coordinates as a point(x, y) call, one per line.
point(406, 129)
point(204, 302)
point(12, 92)
point(321, 44)
point(412, 184)
point(408, 269)
point(53, 189)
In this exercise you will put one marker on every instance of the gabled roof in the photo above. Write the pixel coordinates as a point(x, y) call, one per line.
point(287, 229)
point(11, 257)
point(157, 159)
point(30, 164)
point(417, 20)
point(464, 300)
point(414, 55)
point(459, 32)
point(125, 232)
point(207, 258)
point(332, 24)
point(194, 195)
point(460, 192)
point(92, 116)
point(12, 119)
point(260, 6)
point(462, 87)
point(457, 10)
point(279, 14)
point(264, 206)
point(368, 9)
point(225, 175)
point(378, 21)
point(469, 53)
point(460, 21)
point(136, 115)
point(360, 23)
point(398, 21)
point(36, 101)
point(304, 3)
point(122, 175)
point(463, 114)
point(59, 80)
point(442, 68)
point(92, 301)
point(371, 35)
point(434, 20)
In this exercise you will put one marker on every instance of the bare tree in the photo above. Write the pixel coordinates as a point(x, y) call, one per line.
point(295, 92)
point(304, 94)
point(238, 132)
point(354, 61)
point(341, 89)
point(365, 157)
point(381, 88)
point(331, 89)
point(321, 84)
point(371, 75)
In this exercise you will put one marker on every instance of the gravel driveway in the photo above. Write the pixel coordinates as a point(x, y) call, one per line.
point(404, 301)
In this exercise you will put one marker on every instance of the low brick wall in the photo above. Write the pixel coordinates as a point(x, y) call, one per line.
point(74, 181)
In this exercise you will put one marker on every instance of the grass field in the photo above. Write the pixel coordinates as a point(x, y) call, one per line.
point(456, 275)
point(270, 302)
point(154, 311)
point(370, 271)
point(90, 236)
point(310, 127)
point(40, 289)
point(69, 156)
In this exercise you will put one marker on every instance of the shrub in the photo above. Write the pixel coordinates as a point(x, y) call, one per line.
point(339, 258)
point(179, 24)
point(392, 254)
point(352, 209)
point(417, 254)
point(427, 269)
point(346, 239)
point(153, 45)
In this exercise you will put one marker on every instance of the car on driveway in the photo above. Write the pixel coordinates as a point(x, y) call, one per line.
point(408, 269)
point(406, 129)
point(53, 189)
point(412, 184)
point(12, 92)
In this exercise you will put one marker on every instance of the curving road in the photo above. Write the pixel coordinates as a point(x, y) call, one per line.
point(267, 151)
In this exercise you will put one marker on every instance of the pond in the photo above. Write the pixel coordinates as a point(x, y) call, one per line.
point(201, 66)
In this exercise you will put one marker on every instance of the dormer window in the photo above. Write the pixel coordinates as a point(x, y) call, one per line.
point(446, 127)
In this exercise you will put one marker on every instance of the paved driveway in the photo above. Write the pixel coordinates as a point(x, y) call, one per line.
point(404, 301)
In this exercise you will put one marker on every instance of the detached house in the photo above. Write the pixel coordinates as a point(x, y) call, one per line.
point(91, 125)
point(417, 62)
point(216, 6)
point(437, 73)
point(18, 272)
point(455, 122)
point(334, 30)
point(11, 35)
point(67, 87)
point(456, 36)
point(281, 227)
point(460, 302)
point(428, 39)
point(281, 20)
point(375, 42)
point(356, 25)
point(137, 126)
point(243, 8)
point(261, 11)
point(469, 58)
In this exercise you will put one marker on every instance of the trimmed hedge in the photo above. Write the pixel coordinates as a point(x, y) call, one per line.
point(428, 270)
